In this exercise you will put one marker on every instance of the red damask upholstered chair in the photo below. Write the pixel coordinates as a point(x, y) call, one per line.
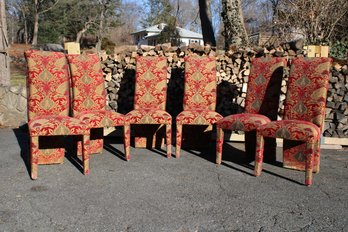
point(89, 100)
point(261, 103)
point(150, 96)
point(199, 96)
point(48, 108)
point(304, 113)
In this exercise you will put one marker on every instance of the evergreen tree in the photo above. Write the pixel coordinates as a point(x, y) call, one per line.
point(170, 34)
point(159, 11)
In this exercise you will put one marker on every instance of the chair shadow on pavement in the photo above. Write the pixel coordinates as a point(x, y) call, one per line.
point(66, 142)
point(117, 138)
point(236, 159)
point(22, 136)
point(108, 146)
point(232, 158)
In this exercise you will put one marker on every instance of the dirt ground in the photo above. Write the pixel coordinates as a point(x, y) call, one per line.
point(17, 63)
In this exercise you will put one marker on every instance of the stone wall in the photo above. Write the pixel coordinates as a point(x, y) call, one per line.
point(13, 106)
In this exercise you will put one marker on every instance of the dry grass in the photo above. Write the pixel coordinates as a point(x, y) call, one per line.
point(18, 65)
point(18, 73)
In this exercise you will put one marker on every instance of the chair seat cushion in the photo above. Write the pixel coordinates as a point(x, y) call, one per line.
point(291, 129)
point(101, 118)
point(56, 125)
point(148, 116)
point(198, 117)
point(242, 122)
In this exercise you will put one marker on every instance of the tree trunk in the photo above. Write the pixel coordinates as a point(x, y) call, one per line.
point(234, 28)
point(206, 22)
point(36, 24)
point(79, 35)
point(101, 25)
point(25, 25)
point(100, 36)
point(4, 58)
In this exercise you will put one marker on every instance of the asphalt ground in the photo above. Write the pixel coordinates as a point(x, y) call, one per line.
point(153, 193)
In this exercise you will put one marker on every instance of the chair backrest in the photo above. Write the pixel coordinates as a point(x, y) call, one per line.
point(200, 83)
point(150, 83)
point(88, 87)
point(307, 89)
point(47, 83)
point(264, 85)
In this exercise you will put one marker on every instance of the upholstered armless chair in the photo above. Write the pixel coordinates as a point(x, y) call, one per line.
point(89, 100)
point(261, 103)
point(304, 114)
point(150, 96)
point(48, 108)
point(199, 96)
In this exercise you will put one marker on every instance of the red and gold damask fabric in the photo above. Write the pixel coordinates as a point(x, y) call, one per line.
point(199, 95)
point(198, 117)
point(101, 118)
point(89, 97)
point(48, 93)
point(200, 83)
point(304, 112)
point(148, 116)
point(264, 85)
point(150, 83)
point(262, 100)
point(307, 90)
point(56, 125)
point(48, 83)
point(150, 95)
point(199, 92)
point(242, 122)
point(150, 92)
point(306, 100)
point(297, 130)
point(48, 108)
point(87, 83)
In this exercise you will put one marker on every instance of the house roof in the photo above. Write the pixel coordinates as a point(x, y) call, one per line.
point(156, 29)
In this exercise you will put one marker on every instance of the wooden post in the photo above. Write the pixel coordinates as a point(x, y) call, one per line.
point(4, 57)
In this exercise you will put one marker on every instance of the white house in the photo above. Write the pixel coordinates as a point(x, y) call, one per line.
point(149, 36)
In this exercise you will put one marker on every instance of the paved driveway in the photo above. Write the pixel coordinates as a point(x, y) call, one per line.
point(153, 193)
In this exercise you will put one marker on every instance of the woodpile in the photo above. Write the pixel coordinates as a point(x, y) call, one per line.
point(336, 124)
point(233, 68)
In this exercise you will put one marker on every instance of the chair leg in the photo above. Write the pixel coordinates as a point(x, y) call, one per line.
point(85, 155)
point(126, 142)
point(259, 154)
point(309, 163)
point(169, 140)
point(178, 140)
point(79, 147)
point(96, 143)
point(96, 140)
point(219, 144)
point(316, 164)
point(34, 159)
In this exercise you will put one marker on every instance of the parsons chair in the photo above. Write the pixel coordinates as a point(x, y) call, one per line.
point(89, 100)
point(304, 114)
point(48, 109)
point(150, 96)
point(261, 103)
point(199, 96)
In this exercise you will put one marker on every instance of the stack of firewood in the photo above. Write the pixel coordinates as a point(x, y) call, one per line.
point(233, 68)
point(336, 124)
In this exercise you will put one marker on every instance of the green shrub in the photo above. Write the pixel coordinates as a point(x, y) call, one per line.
point(107, 45)
point(339, 49)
